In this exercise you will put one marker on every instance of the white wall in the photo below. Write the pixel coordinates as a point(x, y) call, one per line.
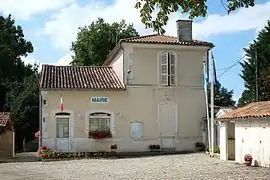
point(252, 137)
point(223, 141)
point(118, 65)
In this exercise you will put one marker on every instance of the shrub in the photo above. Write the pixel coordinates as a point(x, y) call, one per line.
point(200, 146)
point(216, 149)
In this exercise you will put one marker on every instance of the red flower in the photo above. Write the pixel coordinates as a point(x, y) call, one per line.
point(99, 134)
point(248, 157)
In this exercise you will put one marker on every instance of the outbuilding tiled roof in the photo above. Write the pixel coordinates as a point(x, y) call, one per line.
point(4, 118)
point(253, 110)
point(164, 39)
point(79, 77)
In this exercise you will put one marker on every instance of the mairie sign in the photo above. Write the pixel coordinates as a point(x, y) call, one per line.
point(99, 99)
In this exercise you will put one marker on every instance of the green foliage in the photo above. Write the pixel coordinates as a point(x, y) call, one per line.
point(258, 54)
point(195, 8)
point(18, 82)
point(94, 42)
point(222, 96)
point(216, 149)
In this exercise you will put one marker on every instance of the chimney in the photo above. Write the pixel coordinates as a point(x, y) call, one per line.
point(184, 30)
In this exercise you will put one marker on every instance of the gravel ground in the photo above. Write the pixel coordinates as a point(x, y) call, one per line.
point(185, 166)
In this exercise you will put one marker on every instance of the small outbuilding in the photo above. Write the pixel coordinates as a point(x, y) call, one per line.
point(7, 136)
point(246, 130)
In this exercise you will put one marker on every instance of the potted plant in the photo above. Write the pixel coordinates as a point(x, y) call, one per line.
point(154, 147)
point(113, 147)
point(248, 159)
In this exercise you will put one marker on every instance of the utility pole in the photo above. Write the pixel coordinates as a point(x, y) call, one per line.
point(256, 76)
point(212, 104)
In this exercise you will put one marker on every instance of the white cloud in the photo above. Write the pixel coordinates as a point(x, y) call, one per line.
point(253, 18)
point(63, 26)
point(31, 60)
point(65, 60)
point(23, 9)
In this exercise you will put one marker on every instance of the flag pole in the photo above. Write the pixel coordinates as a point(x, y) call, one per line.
point(212, 104)
point(207, 105)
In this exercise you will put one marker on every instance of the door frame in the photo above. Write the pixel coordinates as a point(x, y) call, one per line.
point(71, 124)
point(176, 114)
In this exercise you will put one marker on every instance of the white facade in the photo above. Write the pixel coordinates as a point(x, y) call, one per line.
point(251, 137)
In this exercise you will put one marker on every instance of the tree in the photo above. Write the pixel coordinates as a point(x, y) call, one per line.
point(18, 82)
point(94, 42)
point(222, 96)
point(246, 98)
point(195, 8)
point(257, 57)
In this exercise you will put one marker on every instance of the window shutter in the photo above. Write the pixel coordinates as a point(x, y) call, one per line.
point(163, 70)
point(172, 69)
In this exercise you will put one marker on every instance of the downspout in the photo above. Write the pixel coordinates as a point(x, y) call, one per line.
point(40, 119)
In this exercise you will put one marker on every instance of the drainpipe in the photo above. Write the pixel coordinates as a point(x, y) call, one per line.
point(40, 120)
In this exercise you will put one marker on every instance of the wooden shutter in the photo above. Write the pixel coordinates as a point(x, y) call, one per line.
point(163, 70)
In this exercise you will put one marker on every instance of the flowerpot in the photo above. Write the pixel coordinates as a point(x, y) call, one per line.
point(247, 163)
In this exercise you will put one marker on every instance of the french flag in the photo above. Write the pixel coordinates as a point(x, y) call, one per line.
point(61, 103)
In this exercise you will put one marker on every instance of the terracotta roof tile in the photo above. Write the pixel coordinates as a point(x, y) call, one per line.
point(164, 39)
point(79, 77)
point(155, 39)
point(4, 118)
point(253, 110)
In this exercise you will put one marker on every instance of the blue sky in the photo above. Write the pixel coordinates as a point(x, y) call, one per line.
point(51, 25)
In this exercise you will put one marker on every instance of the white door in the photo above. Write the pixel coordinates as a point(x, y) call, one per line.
point(167, 123)
point(63, 133)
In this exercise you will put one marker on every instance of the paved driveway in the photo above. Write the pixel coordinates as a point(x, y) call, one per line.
point(185, 166)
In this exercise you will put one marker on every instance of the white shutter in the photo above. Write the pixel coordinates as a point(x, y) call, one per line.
point(172, 69)
point(163, 64)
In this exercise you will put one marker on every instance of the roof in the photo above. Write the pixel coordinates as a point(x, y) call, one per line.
point(4, 118)
point(156, 39)
point(165, 39)
point(79, 77)
point(223, 111)
point(253, 110)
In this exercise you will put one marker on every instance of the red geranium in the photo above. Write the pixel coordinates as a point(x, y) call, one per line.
point(248, 157)
point(99, 134)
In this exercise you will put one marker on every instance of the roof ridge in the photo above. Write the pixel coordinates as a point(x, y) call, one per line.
point(143, 36)
point(52, 65)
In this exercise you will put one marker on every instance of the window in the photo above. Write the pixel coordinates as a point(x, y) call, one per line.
point(62, 127)
point(99, 122)
point(137, 129)
point(167, 72)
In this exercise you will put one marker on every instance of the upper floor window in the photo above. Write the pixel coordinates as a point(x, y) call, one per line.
point(167, 69)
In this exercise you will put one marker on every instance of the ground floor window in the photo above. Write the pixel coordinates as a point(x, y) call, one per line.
point(137, 129)
point(99, 121)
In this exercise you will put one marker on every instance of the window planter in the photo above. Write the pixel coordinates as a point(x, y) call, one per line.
point(99, 135)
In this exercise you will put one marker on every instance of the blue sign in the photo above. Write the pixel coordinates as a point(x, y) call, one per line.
point(99, 99)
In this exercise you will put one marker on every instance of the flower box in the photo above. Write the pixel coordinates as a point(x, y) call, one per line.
point(99, 134)
point(154, 147)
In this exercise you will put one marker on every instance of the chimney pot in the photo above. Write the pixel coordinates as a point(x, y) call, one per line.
point(184, 30)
